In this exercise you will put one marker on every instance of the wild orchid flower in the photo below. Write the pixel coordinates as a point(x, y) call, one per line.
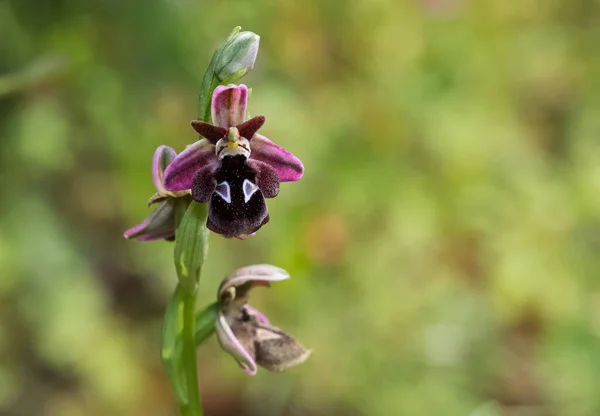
point(246, 333)
point(160, 224)
point(233, 167)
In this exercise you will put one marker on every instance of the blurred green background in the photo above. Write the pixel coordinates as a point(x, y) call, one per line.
point(443, 244)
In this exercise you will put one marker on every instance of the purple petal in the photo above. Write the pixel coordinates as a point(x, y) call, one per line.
point(258, 274)
point(180, 174)
point(163, 156)
point(160, 224)
point(267, 179)
point(287, 166)
point(260, 317)
point(228, 106)
point(233, 346)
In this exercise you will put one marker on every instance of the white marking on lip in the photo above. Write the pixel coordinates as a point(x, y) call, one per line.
point(249, 190)
point(224, 191)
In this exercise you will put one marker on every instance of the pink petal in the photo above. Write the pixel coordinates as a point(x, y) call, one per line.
point(180, 174)
point(258, 274)
point(287, 166)
point(231, 344)
point(163, 156)
point(136, 230)
point(228, 108)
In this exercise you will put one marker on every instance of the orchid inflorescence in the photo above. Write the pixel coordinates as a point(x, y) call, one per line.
point(232, 169)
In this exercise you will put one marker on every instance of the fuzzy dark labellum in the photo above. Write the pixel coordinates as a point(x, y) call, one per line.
point(237, 205)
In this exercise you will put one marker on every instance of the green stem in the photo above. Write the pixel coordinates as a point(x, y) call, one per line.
point(194, 405)
point(191, 246)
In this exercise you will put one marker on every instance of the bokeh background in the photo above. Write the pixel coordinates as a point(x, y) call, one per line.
point(443, 244)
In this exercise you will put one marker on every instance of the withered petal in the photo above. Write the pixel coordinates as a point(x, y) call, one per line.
point(255, 275)
point(277, 351)
point(232, 345)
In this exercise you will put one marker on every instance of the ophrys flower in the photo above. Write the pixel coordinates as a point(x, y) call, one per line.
point(246, 333)
point(233, 167)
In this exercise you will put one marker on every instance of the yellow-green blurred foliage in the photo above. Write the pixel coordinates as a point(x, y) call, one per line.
point(443, 243)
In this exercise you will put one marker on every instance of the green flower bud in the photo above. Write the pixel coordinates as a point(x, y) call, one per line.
point(237, 57)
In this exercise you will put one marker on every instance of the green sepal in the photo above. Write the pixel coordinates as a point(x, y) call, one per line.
point(191, 243)
point(172, 345)
point(205, 323)
point(234, 77)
